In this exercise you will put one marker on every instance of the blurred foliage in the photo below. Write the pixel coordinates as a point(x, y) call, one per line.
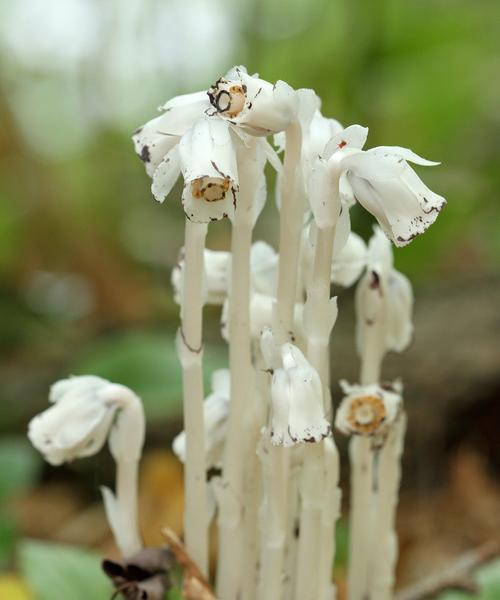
point(19, 470)
point(58, 572)
point(488, 582)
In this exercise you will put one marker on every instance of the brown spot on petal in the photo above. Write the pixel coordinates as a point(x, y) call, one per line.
point(342, 144)
point(145, 155)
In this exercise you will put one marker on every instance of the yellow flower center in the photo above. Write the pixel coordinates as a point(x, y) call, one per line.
point(366, 414)
point(210, 189)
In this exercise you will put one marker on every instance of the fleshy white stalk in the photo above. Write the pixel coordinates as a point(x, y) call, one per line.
point(231, 539)
point(291, 222)
point(361, 461)
point(384, 540)
point(320, 317)
point(189, 345)
point(274, 523)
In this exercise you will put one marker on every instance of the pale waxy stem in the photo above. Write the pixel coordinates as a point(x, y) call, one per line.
point(231, 539)
point(275, 516)
point(320, 470)
point(384, 547)
point(189, 345)
point(274, 523)
point(361, 462)
point(291, 225)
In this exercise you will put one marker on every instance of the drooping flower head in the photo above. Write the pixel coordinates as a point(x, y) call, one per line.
point(384, 299)
point(80, 419)
point(297, 413)
point(368, 410)
point(380, 179)
point(256, 106)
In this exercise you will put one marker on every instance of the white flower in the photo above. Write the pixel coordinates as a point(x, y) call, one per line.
point(256, 106)
point(368, 410)
point(154, 140)
point(215, 412)
point(86, 411)
point(206, 156)
point(384, 298)
point(380, 179)
point(216, 265)
point(297, 413)
point(78, 422)
point(350, 262)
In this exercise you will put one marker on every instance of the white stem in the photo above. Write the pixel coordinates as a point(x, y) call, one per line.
point(126, 497)
point(292, 540)
point(313, 483)
point(274, 524)
point(231, 539)
point(291, 225)
point(384, 541)
point(361, 460)
point(329, 516)
point(190, 353)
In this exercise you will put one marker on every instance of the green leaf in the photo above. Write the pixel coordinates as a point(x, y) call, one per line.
point(488, 580)
point(60, 572)
point(147, 363)
point(174, 594)
point(19, 466)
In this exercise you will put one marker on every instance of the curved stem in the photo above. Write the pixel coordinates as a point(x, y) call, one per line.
point(190, 353)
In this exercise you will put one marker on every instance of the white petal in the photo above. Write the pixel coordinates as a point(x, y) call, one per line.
point(379, 256)
point(404, 153)
point(264, 268)
point(399, 310)
point(199, 99)
point(166, 175)
point(348, 265)
point(152, 143)
point(373, 166)
point(352, 137)
point(201, 211)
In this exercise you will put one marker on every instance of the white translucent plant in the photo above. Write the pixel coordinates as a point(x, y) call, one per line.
point(216, 266)
point(86, 412)
point(256, 106)
point(297, 413)
point(381, 180)
point(215, 411)
point(384, 300)
point(368, 409)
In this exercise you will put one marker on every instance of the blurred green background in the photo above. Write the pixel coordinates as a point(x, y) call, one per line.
point(86, 253)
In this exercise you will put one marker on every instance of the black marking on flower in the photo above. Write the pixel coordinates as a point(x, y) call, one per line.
point(374, 281)
point(138, 131)
point(145, 155)
point(213, 472)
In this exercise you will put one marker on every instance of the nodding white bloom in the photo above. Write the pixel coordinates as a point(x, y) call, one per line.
point(86, 411)
point(216, 265)
point(80, 419)
point(154, 140)
point(350, 262)
point(206, 156)
point(297, 413)
point(256, 106)
point(380, 179)
point(384, 299)
point(368, 410)
point(215, 412)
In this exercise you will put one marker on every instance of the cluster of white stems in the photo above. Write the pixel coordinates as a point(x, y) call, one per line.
point(259, 451)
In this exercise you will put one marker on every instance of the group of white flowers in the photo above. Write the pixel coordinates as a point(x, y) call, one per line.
point(264, 434)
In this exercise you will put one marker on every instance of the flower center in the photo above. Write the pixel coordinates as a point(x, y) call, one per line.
point(227, 98)
point(210, 189)
point(366, 414)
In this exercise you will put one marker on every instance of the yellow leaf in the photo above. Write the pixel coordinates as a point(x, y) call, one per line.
point(13, 588)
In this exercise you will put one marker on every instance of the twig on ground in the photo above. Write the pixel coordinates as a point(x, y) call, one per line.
point(458, 576)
